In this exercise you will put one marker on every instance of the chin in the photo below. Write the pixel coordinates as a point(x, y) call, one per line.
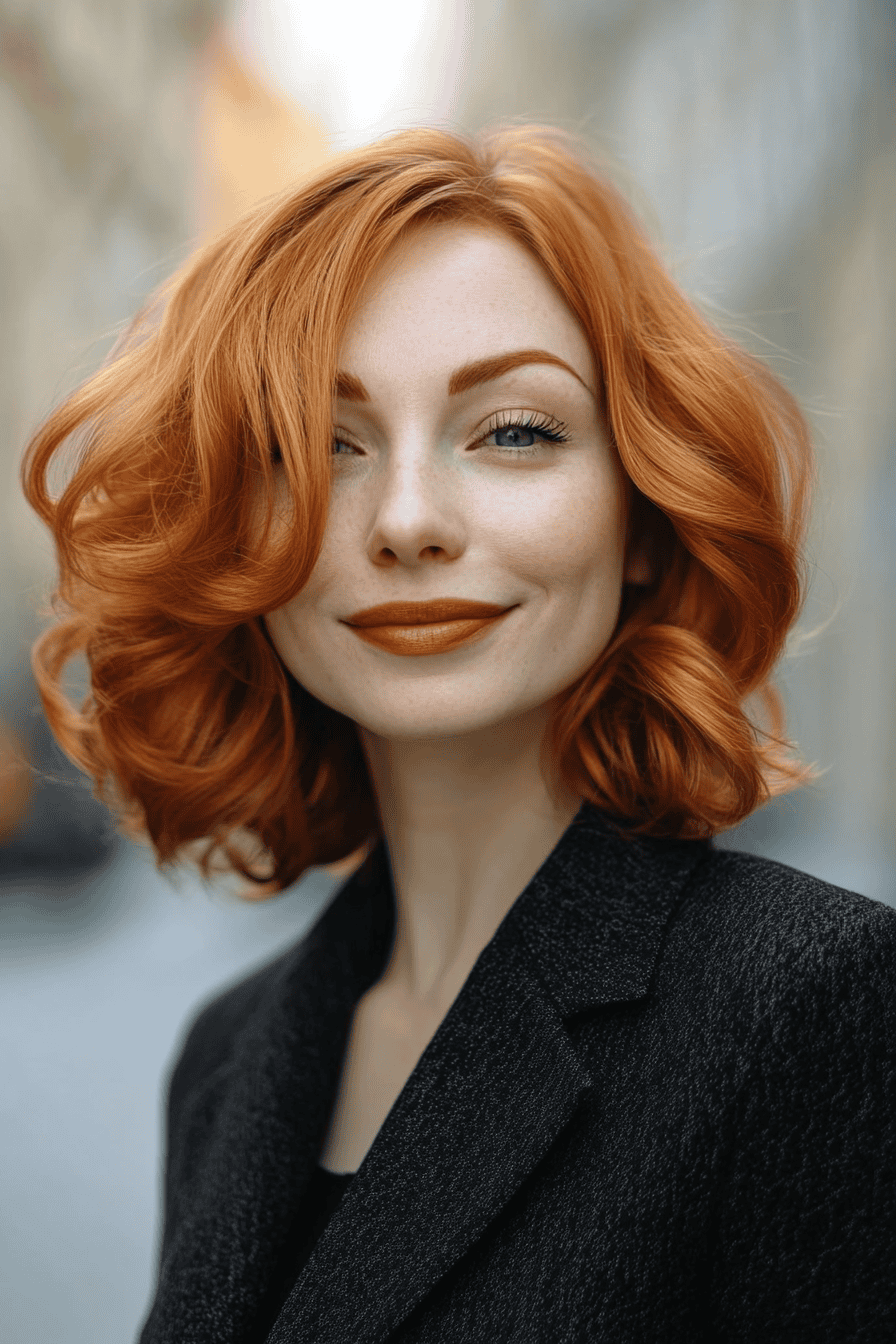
point(435, 718)
point(427, 727)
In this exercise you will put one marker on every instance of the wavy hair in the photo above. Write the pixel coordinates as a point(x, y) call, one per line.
point(169, 554)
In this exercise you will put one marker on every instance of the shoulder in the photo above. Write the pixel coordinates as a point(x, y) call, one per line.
point(212, 1035)
point(224, 1030)
point(777, 942)
point(742, 895)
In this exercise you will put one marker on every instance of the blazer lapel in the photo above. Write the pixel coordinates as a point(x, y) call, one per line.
point(495, 1086)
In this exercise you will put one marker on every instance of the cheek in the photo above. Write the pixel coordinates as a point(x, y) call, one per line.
point(568, 538)
point(302, 632)
point(281, 627)
point(326, 578)
point(292, 628)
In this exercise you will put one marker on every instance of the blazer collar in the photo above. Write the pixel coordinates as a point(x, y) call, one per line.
point(591, 919)
point(594, 915)
point(491, 1092)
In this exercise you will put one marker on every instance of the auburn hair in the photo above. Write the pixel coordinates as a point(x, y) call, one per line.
point(169, 553)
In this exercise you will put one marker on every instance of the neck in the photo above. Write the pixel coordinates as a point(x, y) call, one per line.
point(467, 821)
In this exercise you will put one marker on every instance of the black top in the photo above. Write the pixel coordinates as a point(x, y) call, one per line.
point(662, 1107)
point(325, 1190)
point(321, 1198)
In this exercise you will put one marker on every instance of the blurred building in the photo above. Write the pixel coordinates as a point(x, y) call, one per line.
point(99, 188)
point(127, 133)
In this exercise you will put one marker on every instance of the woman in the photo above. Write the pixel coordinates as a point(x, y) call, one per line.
point(429, 520)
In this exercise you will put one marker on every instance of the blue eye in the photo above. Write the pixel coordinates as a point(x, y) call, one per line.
point(514, 436)
point(522, 435)
point(343, 444)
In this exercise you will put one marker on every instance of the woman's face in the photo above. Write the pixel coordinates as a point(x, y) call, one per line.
point(470, 463)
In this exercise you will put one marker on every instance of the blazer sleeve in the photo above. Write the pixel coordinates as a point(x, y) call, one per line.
point(195, 1084)
point(807, 1217)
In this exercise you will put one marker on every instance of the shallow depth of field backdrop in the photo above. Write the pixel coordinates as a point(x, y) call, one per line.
point(757, 139)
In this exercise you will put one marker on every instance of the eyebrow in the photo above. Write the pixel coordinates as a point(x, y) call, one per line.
point(350, 388)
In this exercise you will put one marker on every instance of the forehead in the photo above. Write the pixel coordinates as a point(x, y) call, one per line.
point(450, 293)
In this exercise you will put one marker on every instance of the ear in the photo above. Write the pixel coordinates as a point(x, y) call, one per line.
point(642, 563)
point(638, 565)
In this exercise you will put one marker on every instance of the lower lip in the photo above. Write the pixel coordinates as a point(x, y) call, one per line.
point(416, 640)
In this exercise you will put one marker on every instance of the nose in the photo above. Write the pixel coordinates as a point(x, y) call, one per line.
point(417, 514)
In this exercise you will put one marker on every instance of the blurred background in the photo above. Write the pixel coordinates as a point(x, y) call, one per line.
point(756, 137)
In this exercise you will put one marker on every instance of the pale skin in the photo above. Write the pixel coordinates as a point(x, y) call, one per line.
point(436, 494)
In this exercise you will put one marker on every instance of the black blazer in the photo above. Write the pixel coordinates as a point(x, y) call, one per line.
point(662, 1108)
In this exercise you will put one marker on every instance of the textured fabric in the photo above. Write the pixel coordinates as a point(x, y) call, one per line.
point(662, 1108)
point(319, 1202)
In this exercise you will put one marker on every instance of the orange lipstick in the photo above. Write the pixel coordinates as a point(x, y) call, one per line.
point(417, 628)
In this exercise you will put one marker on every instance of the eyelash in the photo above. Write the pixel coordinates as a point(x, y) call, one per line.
point(546, 425)
point(551, 429)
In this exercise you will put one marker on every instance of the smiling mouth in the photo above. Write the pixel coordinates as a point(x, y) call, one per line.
point(418, 628)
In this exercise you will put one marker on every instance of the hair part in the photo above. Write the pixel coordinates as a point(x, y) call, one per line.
point(171, 543)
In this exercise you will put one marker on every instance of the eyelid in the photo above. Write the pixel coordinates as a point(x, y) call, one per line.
point(554, 429)
point(342, 436)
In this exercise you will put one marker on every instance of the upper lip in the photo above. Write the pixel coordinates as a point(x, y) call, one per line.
point(424, 613)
